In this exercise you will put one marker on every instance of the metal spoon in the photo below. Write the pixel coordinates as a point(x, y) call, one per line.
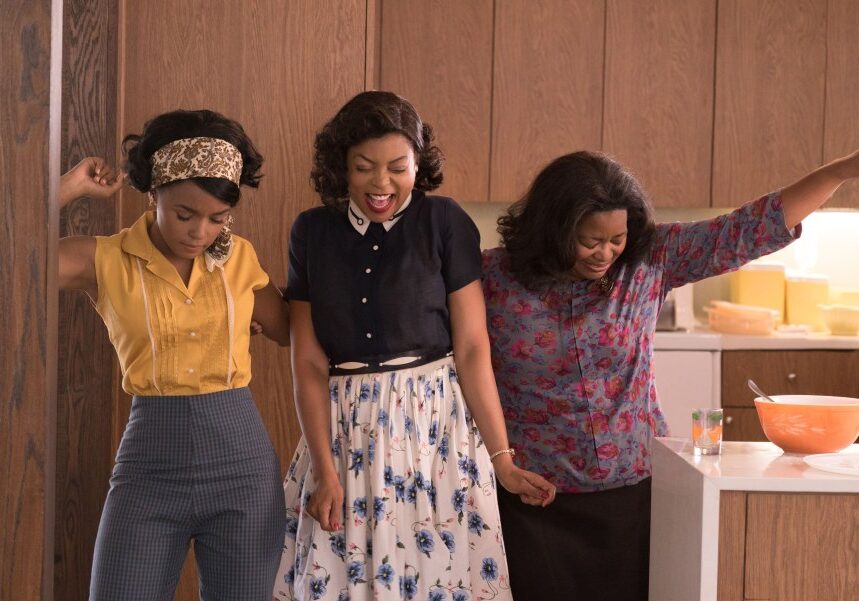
point(759, 392)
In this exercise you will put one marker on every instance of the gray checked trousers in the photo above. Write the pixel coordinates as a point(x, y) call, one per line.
point(191, 468)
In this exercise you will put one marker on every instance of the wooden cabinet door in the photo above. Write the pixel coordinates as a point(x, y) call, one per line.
point(548, 87)
point(802, 546)
point(438, 55)
point(658, 117)
point(841, 135)
point(788, 372)
point(742, 423)
point(770, 66)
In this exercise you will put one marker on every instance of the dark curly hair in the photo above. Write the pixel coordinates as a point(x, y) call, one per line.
point(539, 231)
point(367, 116)
point(176, 125)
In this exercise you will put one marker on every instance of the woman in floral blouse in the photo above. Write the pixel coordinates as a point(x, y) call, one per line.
point(572, 297)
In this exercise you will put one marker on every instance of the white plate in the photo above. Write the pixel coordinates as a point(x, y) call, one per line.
point(837, 463)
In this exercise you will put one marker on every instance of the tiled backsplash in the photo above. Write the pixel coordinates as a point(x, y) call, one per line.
point(829, 245)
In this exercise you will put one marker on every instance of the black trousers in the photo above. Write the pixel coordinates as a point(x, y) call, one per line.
point(583, 547)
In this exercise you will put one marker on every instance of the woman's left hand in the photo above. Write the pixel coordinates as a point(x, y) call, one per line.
point(532, 488)
point(92, 177)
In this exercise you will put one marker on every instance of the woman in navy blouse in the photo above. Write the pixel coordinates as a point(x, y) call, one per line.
point(572, 298)
point(391, 493)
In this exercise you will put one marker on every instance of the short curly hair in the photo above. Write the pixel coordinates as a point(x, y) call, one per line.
point(176, 125)
point(539, 231)
point(371, 115)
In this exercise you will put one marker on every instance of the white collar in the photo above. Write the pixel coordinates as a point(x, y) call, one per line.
point(360, 222)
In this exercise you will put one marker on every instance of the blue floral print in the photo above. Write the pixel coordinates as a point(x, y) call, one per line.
point(414, 527)
point(449, 540)
point(489, 571)
point(385, 573)
point(355, 571)
point(359, 506)
point(378, 508)
point(357, 461)
point(425, 541)
point(338, 545)
point(318, 587)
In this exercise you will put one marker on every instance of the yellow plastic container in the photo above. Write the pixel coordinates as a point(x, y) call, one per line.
point(760, 285)
point(844, 296)
point(803, 294)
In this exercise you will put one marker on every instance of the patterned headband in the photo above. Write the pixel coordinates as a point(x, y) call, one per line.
point(196, 157)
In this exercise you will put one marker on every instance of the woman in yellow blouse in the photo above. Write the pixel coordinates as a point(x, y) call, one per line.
point(177, 292)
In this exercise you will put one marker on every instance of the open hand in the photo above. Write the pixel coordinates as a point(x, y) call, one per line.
point(91, 177)
point(533, 489)
point(326, 504)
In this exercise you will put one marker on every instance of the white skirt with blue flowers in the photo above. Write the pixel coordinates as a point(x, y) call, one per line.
point(420, 512)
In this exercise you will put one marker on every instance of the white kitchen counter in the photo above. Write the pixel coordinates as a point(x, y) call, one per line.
point(684, 538)
point(751, 466)
point(707, 340)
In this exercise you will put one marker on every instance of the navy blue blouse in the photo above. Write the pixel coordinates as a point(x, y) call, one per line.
point(383, 293)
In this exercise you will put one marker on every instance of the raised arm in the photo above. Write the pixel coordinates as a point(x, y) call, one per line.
point(94, 178)
point(804, 196)
point(471, 354)
point(310, 384)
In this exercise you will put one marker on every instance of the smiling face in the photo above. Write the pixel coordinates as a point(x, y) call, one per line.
point(381, 175)
point(188, 219)
point(600, 240)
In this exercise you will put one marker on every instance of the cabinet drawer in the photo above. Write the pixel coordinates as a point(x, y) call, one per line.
point(742, 423)
point(788, 372)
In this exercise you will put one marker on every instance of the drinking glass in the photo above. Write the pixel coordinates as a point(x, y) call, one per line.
point(707, 431)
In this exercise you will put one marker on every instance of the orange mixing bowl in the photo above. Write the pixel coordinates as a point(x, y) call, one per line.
point(807, 423)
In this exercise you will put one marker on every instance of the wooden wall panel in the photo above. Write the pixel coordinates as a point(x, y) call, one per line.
point(86, 389)
point(842, 92)
point(770, 69)
point(659, 77)
point(281, 69)
point(29, 160)
point(548, 88)
point(438, 55)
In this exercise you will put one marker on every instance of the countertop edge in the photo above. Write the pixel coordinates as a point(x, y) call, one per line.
point(707, 340)
point(772, 459)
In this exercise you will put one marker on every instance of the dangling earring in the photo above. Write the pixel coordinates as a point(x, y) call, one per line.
point(220, 248)
point(152, 202)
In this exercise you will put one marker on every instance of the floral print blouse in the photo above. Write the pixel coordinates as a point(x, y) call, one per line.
point(574, 365)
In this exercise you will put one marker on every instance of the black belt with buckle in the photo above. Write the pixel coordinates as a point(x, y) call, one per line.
point(386, 363)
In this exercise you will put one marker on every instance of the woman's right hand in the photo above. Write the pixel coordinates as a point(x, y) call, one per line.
point(326, 503)
point(532, 488)
point(91, 177)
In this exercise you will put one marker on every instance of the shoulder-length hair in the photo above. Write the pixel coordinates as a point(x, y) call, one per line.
point(367, 116)
point(539, 231)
